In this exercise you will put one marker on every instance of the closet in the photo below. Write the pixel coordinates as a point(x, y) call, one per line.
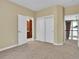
point(45, 28)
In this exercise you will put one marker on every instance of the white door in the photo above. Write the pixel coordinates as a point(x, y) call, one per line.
point(49, 28)
point(40, 33)
point(45, 29)
point(22, 36)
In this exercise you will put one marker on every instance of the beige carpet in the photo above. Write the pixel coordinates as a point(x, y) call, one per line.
point(40, 50)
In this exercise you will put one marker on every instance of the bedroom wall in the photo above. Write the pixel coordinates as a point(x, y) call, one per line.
point(72, 10)
point(9, 22)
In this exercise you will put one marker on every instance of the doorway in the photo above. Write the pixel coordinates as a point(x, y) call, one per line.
point(71, 23)
point(29, 28)
point(72, 29)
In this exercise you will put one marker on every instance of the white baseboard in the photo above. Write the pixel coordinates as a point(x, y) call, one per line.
point(36, 39)
point(16, 45)
point(6, 48)
point(58, 43)
point(30, 39)
point(3, 49)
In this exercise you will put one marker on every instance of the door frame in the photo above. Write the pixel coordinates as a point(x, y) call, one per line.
point(29, 17)
point(65, 27)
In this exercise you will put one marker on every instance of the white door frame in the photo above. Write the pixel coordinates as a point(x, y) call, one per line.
point(78, 27)
point(78, 30)
point(28, 17)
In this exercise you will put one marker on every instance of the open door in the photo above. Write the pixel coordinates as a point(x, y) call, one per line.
point(22, 36)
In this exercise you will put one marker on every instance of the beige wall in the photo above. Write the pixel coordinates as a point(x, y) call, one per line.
point(46, 11)
point(9, 21)
point(59, 25)
point(72, 10)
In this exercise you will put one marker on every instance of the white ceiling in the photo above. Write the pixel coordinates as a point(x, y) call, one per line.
point(36, 5)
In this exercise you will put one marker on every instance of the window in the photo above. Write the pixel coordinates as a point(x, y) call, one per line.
point(73, 32)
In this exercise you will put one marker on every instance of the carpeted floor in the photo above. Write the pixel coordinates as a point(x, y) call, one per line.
point(40, 50)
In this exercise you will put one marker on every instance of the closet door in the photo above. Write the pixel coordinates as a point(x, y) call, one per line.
point(40, 29)
point(49, 29)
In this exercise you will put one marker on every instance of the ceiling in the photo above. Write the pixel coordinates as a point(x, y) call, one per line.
point(37, 5)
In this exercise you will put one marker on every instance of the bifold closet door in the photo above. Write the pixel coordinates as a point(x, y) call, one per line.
point(40, 29)
point(49, 29)
point(45, 29)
